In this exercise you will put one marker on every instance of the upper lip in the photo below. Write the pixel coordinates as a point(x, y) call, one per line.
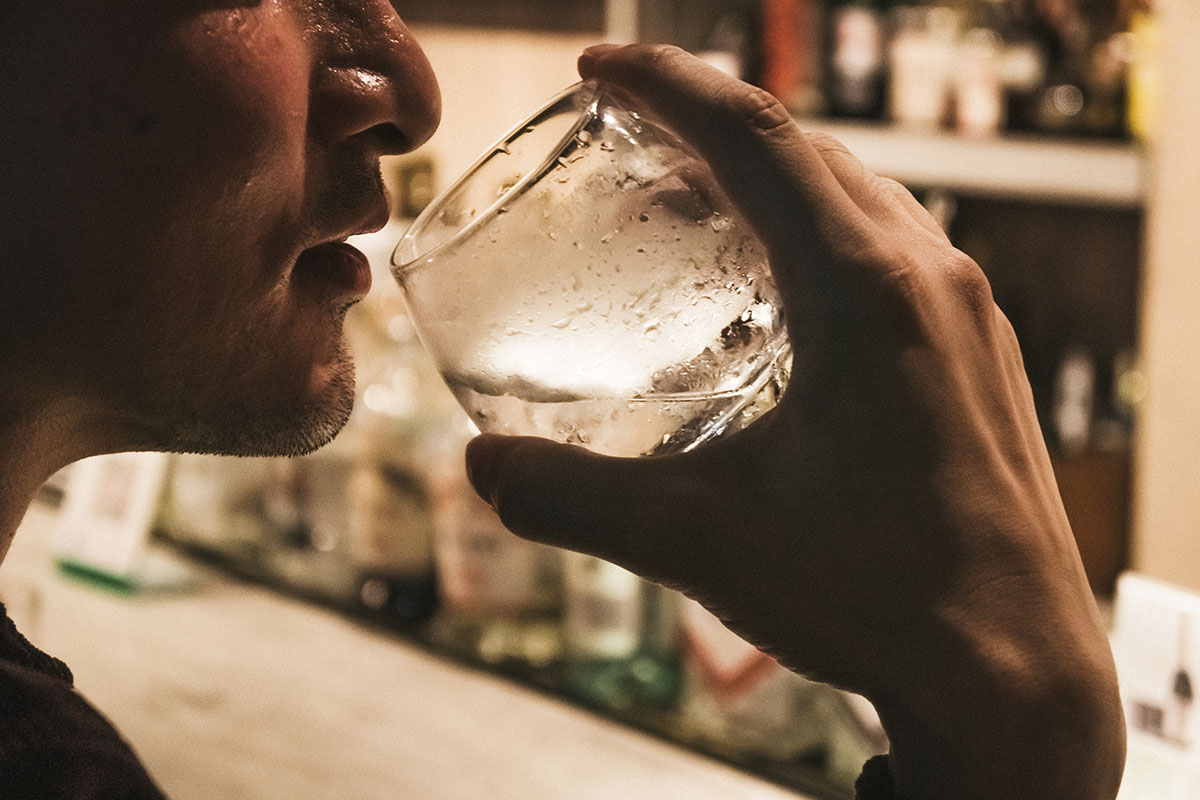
point(359, 205)
point(367, 217)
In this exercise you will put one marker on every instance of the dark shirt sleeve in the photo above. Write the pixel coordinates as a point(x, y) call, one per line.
point(875, 781)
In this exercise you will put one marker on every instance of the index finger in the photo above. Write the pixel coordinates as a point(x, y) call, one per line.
point(772, 172)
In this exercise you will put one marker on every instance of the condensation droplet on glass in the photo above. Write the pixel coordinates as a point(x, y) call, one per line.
point(606, 238)
point(578, 245)
point(644, 217)
point(559, 324)
point(584, 137)
point(607, 146)
point(553, 236)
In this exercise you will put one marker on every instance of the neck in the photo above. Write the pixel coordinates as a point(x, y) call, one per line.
point(37, 438)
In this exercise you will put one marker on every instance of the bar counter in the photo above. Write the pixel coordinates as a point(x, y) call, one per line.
point(230, 690)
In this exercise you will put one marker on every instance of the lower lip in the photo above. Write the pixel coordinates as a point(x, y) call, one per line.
point(338, 264)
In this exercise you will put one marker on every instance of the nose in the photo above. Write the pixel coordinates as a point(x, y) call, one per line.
point(372, 78)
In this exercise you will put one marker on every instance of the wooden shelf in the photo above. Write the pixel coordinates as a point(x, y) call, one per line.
point(1011, 167)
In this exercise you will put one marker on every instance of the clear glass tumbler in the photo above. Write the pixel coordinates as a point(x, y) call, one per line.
point(587, 281)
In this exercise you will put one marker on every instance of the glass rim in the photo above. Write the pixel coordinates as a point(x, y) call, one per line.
point(588, 90)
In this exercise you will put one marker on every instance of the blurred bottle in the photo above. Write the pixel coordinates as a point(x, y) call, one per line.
point(740, 703)
point(921, 61)
point(725, 44)
point(390, 541)
point(215, 505)
point(1145, 70)
point(622, 637)
point(1074, 396)
point(979, 83)
point(856, 70)
point(1083, 92)
point(789, 53)
point(500, 594)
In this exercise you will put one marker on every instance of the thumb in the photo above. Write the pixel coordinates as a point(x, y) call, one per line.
point(631, 511)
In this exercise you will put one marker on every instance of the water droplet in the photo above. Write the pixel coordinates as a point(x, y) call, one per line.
point(606, 238)
point(577, 245)
point(584, 137)
point(553, 236)
point(607, 146)
point(502, 150)
point(644, 217)
point(562, 323)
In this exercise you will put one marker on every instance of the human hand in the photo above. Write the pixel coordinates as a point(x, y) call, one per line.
point(893, 525)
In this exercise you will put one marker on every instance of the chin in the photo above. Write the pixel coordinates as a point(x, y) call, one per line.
point(255, 421)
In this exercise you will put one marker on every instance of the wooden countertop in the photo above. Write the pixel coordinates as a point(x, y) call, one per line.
point(233, 691)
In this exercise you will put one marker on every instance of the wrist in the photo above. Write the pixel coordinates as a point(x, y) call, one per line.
point(993, 717)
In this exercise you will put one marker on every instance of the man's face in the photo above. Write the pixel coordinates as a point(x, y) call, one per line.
point(176, 175)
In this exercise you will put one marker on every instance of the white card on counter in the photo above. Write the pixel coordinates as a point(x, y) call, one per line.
point(108, 507)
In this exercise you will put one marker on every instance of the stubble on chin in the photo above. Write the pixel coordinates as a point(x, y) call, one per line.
point(253, 421)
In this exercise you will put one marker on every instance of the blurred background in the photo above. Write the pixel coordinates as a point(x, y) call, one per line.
point(1053, 139)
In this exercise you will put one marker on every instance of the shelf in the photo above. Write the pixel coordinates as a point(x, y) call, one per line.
point(1009, 167)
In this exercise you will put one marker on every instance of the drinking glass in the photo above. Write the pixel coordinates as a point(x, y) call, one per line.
point(588, 281)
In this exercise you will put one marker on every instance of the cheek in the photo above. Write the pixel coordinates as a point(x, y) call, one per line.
point(224, 170)
point(242, 133)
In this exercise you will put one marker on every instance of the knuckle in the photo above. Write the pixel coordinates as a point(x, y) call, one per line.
point(968, 282)
point(825, 144)
point(889, 186)
point(759, 108)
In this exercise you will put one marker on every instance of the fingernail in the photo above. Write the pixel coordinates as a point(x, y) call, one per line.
point(483, 466)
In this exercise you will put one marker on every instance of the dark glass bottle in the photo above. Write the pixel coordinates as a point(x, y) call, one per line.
point(856, 58)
